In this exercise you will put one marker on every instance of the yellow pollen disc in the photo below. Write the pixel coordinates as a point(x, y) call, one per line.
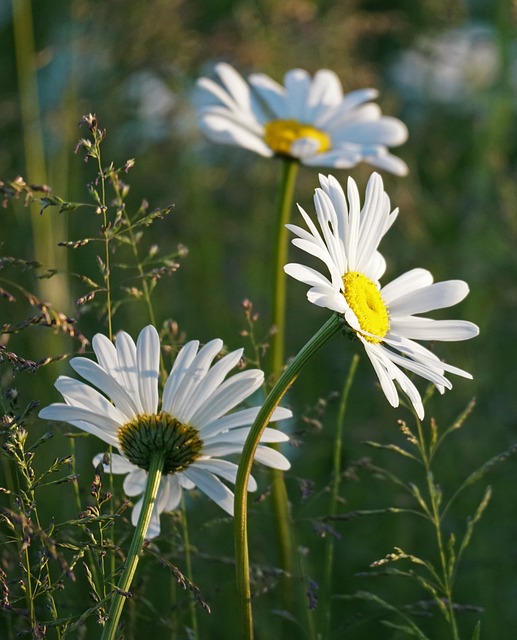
point(366, 302)
point(280, 135)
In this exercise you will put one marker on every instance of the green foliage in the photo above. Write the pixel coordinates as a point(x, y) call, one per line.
point(434, 574)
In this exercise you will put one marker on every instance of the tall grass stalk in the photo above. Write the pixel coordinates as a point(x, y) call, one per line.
point(336, 482)
point(188, 562)
point(447, 563)
point(45, 228)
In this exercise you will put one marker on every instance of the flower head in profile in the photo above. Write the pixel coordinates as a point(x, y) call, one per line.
point(385, 319)
point(309, 119)
point(191, 422)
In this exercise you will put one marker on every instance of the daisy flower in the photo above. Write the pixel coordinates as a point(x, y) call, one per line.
point(385, 319)
point(191, 422)
point(309, 119)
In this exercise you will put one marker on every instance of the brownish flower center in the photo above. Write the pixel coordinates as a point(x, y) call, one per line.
point(146, 434)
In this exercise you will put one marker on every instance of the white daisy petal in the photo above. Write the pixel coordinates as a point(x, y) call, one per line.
point(238, 436)
point(108, 438)
point(175, 492)
point(96, 375)
point(419, 353)
point(116, 464)
point(325, 92)
point(240, 419)
point(224, 129)
point(180, 404)
point(211, 486)
point(179, 370)
point(429, 329)
point(148, 364)
point(218, 447)
point(224, 469)
point(388, 162)
point(214, 378)
point(229, 393)
point(234, 84)
point(271, 458)
point(271, 93)
point(385, 131)
point(106, 354)
point(66, 413)
point(343, 157)
point(307, 275)
point(406, 284)
point(386, 380)
point(153, 529)
point(435, 296)
point(135, 482)
point(78, 394)
point(126, 353)
point(326, 298)
point(297, 86)
point(185, 483)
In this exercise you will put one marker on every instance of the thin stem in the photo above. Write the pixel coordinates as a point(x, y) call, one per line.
point(285, 203)
point(336, 482)
point(52, 603)
point(332, 326)
point(133, 555)
point(30, 597)
point(105, 232)
point(99, 585)
point(141, 273)
point(279, 492)
point(446, 577)
point(107, 284)
point(436, 520)
point(188, 562)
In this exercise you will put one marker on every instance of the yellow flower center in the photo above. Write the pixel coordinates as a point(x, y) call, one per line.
point(280, 135)
point(146, 434)
point(366, 302)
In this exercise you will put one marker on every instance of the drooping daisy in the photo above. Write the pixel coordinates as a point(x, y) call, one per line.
point(191, 422)
point(386, 320)
point(309, 119)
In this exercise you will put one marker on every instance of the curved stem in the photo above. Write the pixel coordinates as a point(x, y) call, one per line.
point(336, 481)
point(133, 555)
point(332, 326)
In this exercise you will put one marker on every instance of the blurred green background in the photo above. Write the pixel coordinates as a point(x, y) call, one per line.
point(448, 69)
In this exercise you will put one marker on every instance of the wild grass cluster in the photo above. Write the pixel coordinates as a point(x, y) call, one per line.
point(148, 170)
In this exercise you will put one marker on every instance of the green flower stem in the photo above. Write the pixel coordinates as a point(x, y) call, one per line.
point(133, 555)
point(279, 491)
point(285, 203)
point(336, 481)
point(332, 326)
